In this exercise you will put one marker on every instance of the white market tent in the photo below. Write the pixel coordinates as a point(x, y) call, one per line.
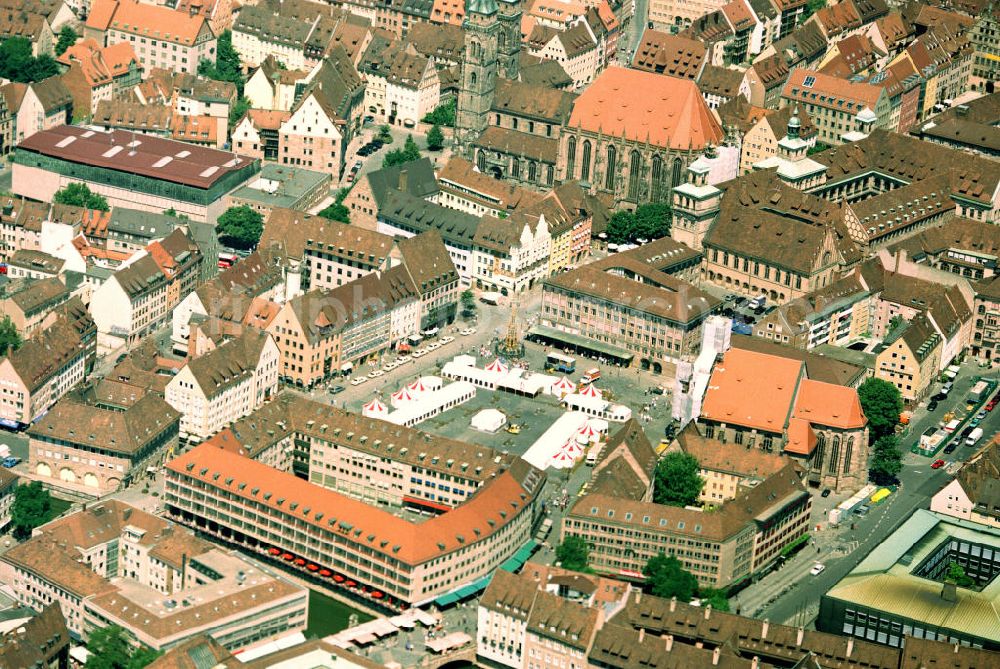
point(489, 420)
point(551, 442)
point(432, 403)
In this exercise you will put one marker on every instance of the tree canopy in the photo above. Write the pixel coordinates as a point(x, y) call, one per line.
point(443, 114)
point(676, 481)
point(227, 66)
point(336, 212)
point(32, 504)
point(882, 404)
point(80, 195)
point(408, 152)
point(574, 553)
point(110, 649)
point(648, 221)
point(468, 301)
point(666, 577)
point(238, 111)
point(67, 38)
point(886, 460)
point(17, 63)
point(240, 227)
point(435, 138)
point(10, 338)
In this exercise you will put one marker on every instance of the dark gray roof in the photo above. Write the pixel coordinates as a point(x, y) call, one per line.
point(420, 181)
point(413, 214)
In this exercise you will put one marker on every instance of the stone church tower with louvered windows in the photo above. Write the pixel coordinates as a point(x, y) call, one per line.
point(479, 71)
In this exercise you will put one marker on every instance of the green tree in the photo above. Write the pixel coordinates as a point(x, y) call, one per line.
point(620, 227)
point(666, 577)
point(676, 481)
point(573, 553)
point(80, 195)
point(882, 404)
point(651, 221)
point(886, 461)
point(812, 6)
point(385, 134)
point(174, 214)
point(717, 598)
point(240, 227)
point(10, 338)
point(238, 111)
point(956, 574)
point(67, 38)
point(408, 152)
point(336, 212)
point(17, 63)
point(468, 303)
point(109, 648)
point(227, 66)
point(443, 114)
point(818, 147)
point(435, 138)
point(32, 504)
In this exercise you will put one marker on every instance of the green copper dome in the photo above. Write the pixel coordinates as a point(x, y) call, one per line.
point(485, 7)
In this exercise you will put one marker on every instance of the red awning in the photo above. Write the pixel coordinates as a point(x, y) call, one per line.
point(325, 572)
point(312, 567)
point(425, 503)
point(287, 556)
point(377, 595)
point(300, 561)
point(274, 551)
point(351, 584)
point(338, 578)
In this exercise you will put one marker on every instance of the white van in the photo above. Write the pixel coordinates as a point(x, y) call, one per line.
point(974, 436)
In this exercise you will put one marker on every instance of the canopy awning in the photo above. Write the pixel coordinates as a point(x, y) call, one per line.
point(579, 342)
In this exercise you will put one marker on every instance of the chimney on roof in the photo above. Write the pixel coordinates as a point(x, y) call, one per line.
point(403, 179)
point(850, 646)
point(638, 596)
point(949, 592)
point(764, 628)
point(642, 634)
point(669, 639)
point(755, 663)
point(799, 636)
point(715, 655)
point(708, 612)
point(673, 604)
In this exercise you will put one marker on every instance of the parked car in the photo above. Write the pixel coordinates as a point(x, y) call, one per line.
point(817, 569)
point(950, 448)
point(932, 405)
point(937, 464)
point(862, 510)
point(825, 493)
point(336, 390)
point(11, 461)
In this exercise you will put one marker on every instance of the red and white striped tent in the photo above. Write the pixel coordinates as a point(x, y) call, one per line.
point(562, 460)
point(418, 386)
point(589, 433)
point(401, 396)
point(591, 391)
point(572, 449)
point(496, 366)
point(563, 386)
point(375, 409)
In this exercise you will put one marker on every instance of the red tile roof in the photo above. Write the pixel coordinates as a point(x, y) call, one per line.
point(829, 405)
point(641, 106)
point(497, 503)
point(752, 389)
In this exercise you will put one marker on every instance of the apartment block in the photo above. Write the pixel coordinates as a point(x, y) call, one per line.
point(96, 448)
point(113, 564)
point(225, 384)
point(161, 36)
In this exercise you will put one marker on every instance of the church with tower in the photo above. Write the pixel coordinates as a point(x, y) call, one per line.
point(508, 128)
point(629, 136)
